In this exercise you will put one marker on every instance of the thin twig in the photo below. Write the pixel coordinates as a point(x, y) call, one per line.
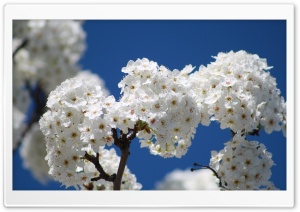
point(254, 132)
point(37, 96)
point(22, 45)
point(103, 174)
point(215, 173)
point(133, 134)
point(232, 133)
point(123, 135)
point(117, 141)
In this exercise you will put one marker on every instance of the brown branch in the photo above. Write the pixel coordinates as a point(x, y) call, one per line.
point(125, 141)
point(115, 134)
point(103, 175)
point(123, 135)
point(22, 45)
point(117, 141)
point(133, 134)
point(124, 157)
point(254, 132)
point(124, 145)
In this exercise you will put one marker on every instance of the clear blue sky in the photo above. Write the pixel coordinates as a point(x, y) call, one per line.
point(111, 44)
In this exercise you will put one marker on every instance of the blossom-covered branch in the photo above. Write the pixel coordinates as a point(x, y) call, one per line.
point(45, 53)
point(95, 160)
point(163, 108)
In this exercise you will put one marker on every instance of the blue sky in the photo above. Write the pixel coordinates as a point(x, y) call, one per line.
point(111, 44)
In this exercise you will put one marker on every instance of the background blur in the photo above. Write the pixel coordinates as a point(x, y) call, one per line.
point(174, 44)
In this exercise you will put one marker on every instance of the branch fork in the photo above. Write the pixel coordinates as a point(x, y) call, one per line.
point(123, 143)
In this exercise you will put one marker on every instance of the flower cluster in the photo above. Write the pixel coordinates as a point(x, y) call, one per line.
point(69, 104)
point(78, 121)
point(94, 79)
point(164, 108)
point(187, 180)
point(33, 148)
point(109, 160)
point(52, 50)
point(243, 165)
point(33, 152)
point(18, 126)
point(237, 91)
point(45, 53)
point(161, 99)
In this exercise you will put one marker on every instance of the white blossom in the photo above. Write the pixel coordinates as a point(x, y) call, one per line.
point(164, 108)
point(161, 99)
point(70, 130)
point(94, 78)
point(243, 165)
point(18, 126)
point(33, 153)
point(238, 91)
point(52, 51)
point(50, 55)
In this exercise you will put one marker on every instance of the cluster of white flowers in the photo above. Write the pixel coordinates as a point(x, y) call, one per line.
point(160, 98)
point(33, 152)
point(33, 148)
point(94, 79)
point(236, 91)
point(243, 165)
point(109, 161)
point(69, 103)
point(78, 121)
point(187, 180)
point(164, 107)
point(18, 126)
point(52, 51)
point(49, 55)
